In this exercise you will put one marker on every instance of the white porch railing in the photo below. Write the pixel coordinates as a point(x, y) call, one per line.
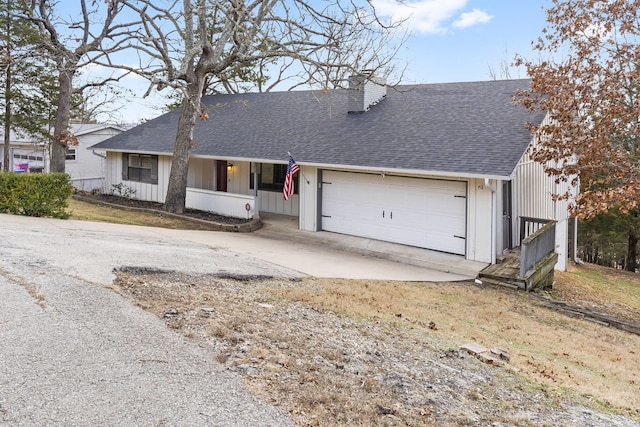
point(227, 204)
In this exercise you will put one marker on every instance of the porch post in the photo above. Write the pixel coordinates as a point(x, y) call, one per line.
point(254, 167)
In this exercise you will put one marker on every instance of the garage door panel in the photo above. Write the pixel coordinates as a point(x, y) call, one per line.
point(418, 212)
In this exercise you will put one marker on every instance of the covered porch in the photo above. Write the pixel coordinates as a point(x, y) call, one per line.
point(239, 189)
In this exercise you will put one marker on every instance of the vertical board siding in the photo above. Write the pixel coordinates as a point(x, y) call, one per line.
point(533, 192)
point(479, 206)
point(238, 178)
point(273, 202)
point(143, 191)
point(308, 198)
point(201, 174)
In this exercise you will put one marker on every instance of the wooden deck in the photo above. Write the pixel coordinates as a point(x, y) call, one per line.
point(506, 272)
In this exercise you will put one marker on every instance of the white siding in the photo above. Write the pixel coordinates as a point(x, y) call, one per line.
point(532, 194)
point(308, 198)
point(273, 202)
point(479, 243)
point(479, 206)
point(89, 169)
point(143, 191)
point(201, 174)
point(238, 178)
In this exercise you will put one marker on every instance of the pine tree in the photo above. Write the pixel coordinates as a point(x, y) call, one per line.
point(27, 85)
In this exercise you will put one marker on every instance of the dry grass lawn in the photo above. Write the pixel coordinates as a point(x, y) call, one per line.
point(546, 346)
point(333, 352)
point(84, 211)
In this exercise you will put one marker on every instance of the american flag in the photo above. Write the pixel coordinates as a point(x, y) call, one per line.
point(292, 170)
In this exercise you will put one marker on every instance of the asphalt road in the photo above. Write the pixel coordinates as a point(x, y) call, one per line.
point(74, 353)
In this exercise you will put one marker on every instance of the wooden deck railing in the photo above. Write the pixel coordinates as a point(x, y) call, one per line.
point(529, 225)
point(536, 246)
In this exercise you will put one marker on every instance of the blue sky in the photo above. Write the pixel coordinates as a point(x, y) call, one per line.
point(469, 38)
point(451, 40)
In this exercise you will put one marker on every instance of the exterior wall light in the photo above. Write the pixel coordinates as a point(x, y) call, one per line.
point(229, 166)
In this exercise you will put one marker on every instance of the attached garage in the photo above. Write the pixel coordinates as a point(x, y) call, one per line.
point(426, 213)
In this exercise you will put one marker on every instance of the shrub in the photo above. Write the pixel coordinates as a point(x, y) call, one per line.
point(122, 190)
point(35, 194)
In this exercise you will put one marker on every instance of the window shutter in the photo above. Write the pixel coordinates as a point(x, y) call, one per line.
point(154, 169)
point(125, 166)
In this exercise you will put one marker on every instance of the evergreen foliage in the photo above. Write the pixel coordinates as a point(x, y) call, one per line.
point(27, 82)
point(35, 194)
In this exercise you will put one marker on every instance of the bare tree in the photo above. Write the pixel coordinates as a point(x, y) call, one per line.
point(181, 44)
point(504, 71)
point(73, 39)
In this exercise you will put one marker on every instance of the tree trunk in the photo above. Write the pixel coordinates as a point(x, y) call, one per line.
point(7, 119)
point(7, 100)
point(632, 256)
point(177, 187)
point(61, 128)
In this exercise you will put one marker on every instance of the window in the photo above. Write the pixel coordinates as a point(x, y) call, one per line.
point(271, 177)
point(71, 154)
point(37, 158)
point(140, 167)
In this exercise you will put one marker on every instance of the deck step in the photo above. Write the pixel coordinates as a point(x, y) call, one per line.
point(499, 282)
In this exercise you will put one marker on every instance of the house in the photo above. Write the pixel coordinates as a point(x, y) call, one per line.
point(26, 154)
point(436, 166)
point(85, 167)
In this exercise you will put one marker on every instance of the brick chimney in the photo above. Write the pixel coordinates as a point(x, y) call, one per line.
point(365, 90)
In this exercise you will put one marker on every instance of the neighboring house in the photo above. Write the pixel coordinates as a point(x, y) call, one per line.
point(437, 166)
point(26, 153)
point(85, 167)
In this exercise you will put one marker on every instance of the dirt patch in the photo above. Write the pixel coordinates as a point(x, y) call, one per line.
point(338, 352)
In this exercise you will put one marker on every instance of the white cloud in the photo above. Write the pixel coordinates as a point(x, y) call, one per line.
point(469, 19)
point(429, 16)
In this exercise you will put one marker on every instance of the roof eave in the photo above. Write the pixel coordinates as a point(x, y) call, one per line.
point(355, 168)
point(399, 171)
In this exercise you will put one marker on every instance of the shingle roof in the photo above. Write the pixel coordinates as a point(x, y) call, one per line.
point(453, 128)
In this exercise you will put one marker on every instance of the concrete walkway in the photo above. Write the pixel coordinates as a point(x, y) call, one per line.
point(321, 254)
point(280, 227)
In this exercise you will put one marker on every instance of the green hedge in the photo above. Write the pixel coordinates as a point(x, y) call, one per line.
point(35, 194)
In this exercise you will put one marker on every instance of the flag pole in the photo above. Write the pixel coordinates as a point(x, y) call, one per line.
point(305, 178)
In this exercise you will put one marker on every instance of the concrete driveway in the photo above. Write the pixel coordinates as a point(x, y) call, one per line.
point(75, 353)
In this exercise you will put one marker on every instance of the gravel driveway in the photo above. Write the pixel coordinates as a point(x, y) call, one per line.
point(75, 353)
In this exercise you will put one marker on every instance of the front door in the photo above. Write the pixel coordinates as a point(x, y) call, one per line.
point(221, 175)
point(506, 215)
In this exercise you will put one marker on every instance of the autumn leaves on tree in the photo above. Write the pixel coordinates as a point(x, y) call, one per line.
point(590, 87)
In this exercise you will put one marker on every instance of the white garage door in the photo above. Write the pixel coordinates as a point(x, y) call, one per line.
point(425, 213)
